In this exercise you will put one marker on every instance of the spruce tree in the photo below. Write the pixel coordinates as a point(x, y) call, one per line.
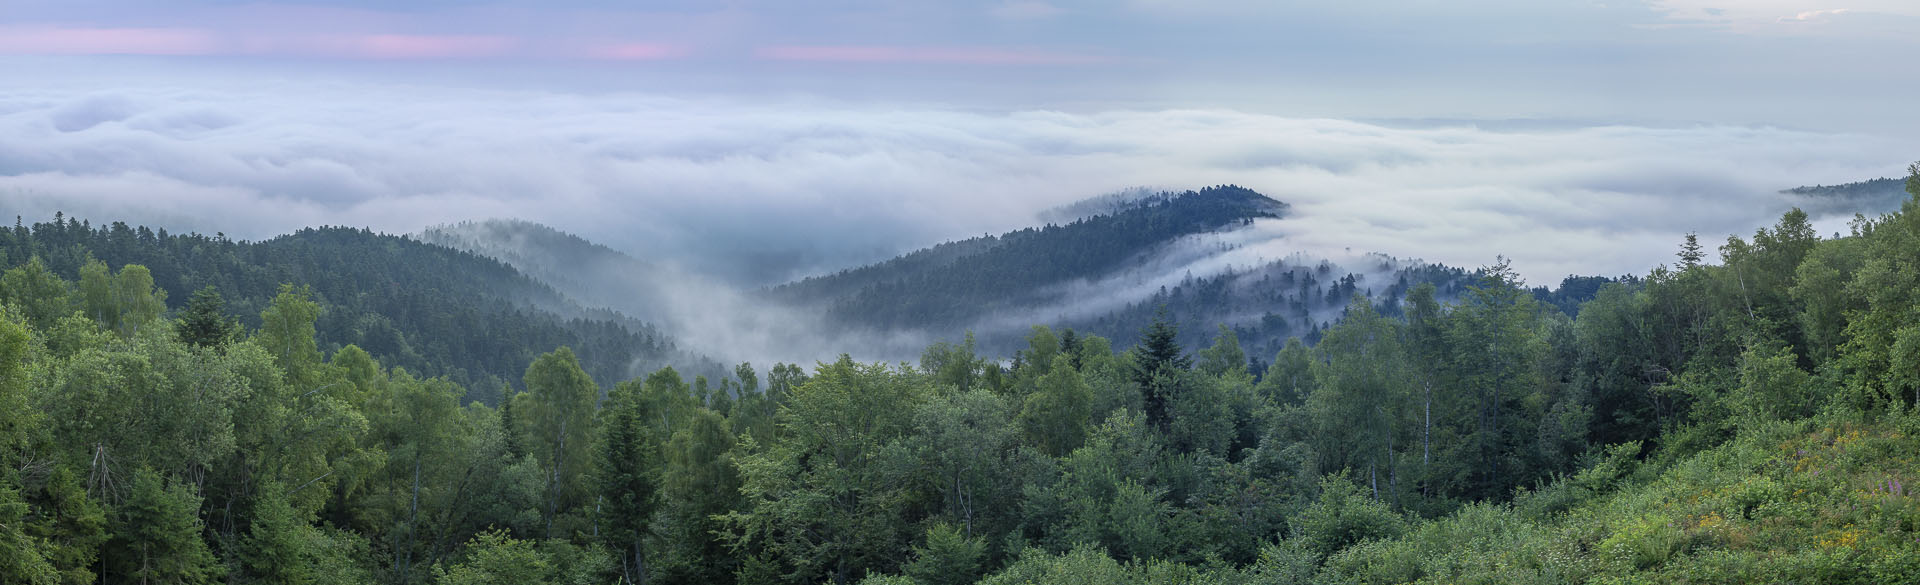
point(1159, 356)
point(626, 464)
point(1691, 253)
point(159, 533)
point(272, 550)
point(203, 323)
point(20, 555)
point(948, 558)
point(698, 482)
point(70, 526)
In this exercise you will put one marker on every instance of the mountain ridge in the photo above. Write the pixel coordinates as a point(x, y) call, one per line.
point(1869, 197)
point(386, 293)
point(986, 272)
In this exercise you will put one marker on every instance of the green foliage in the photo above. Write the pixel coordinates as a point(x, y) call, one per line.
point(1084, 565)
point(417, 447)
point(159, 531)
point(827, 502)
point(96, 294)
point(558, 421)
point(627, 454)
point(1088, 566)
point(1615, 359)
point(1042, 346)
point(1288, 381)
point(1744, 422)
point(1497, 349)
point(21, 557)
point(134, 296)
point(1820, 286)
point(1357, 400)
point(698, 483)
point(1055, 417)
point(203, 323)
point(338, 557)
point(575, 564)
point(287, 333)
point(493, 558)
point(148, 402)
point(947, 557)
point(1772, 386)
point(278, 546)
point(1100, 498)
point(963, 442)
point(1903, 363)
point(1283, 562)
point(1158, 362)
point(121, 302)
point(69, 526)
point(17, 421)
point(430, 309)
point(1821, 500)
point(1239, 508)
point(72, 334)
point(1224, 356)
point(949, 285)
point(1343, 516)
point(40, 294)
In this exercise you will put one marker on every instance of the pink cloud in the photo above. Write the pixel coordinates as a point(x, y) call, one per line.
point(57, 40)
point(63, 40)
point(925, 55)
point(369, 46)
point(390, 46)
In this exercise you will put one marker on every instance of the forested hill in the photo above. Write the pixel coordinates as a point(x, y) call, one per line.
point(428, 308)
point(1115, 271)
point(1751, 418)
point(587, 272)
point(1092, 275)
point(1870, 197)
point(956, 282)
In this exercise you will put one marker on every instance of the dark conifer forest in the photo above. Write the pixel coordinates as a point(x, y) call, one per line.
point(341, 406)
point(1070, 274)
point(429, 309)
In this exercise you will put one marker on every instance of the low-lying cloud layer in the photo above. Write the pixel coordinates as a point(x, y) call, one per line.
point(758, 191)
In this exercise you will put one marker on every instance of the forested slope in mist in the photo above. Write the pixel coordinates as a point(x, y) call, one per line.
point(1748, 420)
point(1117, 263)
point(955, 283)
point(434, 310)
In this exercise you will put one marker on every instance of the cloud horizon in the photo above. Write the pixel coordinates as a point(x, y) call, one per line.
point(757, 192)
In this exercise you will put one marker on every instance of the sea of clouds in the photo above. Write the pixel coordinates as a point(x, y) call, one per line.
point(754, 191)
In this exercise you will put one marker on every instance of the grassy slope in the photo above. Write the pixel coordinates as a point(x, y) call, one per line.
point(1824, 500)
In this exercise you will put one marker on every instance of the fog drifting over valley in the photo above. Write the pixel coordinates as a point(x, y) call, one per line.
point(739, 145)
point(759, 191)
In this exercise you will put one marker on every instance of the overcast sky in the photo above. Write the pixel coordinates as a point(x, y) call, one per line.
point(780, 137)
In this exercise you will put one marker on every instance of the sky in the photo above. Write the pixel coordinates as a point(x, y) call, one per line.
point(760, 141)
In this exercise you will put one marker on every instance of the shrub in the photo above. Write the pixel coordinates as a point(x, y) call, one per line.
point(1343, 517)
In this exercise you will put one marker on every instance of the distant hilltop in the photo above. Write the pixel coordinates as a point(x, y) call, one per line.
point(1876, 196)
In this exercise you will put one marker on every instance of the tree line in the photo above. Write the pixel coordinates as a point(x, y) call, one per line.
point(142, 446)
point(433, 310)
